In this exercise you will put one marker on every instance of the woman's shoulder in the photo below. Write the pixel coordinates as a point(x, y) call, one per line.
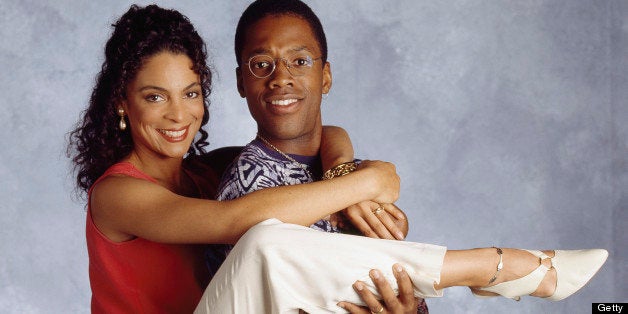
point(121, 170)
point(126, 168)
point(119, 178)
point(113, 198)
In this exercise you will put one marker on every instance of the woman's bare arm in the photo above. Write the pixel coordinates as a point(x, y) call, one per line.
point(124, 207)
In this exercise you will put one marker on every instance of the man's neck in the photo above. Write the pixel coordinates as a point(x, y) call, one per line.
point(307, 145)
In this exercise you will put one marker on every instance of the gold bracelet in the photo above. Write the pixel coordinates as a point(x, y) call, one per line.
point(340, 170)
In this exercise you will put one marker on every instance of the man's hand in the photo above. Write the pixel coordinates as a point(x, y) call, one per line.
point(404, 303)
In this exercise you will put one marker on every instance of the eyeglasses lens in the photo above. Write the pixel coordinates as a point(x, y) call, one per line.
point(263, 66)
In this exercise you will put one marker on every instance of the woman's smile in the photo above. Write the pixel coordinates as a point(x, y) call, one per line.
point(174, 135)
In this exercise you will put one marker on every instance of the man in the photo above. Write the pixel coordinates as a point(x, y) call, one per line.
point(283, 72)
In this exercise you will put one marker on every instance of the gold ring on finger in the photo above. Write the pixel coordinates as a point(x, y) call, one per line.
point(380, 310)
point(376, 211)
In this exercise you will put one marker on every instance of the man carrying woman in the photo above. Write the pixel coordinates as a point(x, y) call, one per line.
point(285, 150)
point(147, 212)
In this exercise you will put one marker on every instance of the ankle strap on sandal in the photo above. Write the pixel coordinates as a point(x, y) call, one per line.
point(542, 256)
point(500, 265)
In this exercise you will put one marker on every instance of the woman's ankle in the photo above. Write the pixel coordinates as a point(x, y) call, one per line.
point(516, 264)
point(519, 263)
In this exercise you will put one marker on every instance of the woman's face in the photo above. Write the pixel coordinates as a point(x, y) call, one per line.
point(164, 105)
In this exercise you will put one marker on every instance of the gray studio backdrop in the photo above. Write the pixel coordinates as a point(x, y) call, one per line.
point(507, 121)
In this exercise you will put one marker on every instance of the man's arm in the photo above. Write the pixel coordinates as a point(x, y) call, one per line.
point(391, 223)
point(336, 147)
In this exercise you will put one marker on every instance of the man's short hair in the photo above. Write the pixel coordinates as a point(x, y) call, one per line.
point(263, 8)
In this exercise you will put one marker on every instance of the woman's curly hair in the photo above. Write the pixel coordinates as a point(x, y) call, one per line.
point(96, 143)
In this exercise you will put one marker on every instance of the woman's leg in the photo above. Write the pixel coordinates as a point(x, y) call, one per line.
point(279, 268)
point(476, 268)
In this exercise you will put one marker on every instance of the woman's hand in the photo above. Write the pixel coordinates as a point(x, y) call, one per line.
point(383, 179)
point(385, 222)
point(404, 303)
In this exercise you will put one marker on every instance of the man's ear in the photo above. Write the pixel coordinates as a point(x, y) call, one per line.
point(326, 77)
point(239, 82)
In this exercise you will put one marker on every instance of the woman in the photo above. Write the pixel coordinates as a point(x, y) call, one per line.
point(129, 132)
point(147, 211)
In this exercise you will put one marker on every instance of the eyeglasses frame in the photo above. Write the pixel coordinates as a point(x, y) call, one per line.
point(275, 60)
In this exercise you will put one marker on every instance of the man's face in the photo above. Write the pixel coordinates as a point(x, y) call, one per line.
point(284, 105)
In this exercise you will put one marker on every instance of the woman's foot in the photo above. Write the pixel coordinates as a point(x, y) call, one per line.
point(547, 287)
point(537, 273)
point(518, 264)
point(523, 263)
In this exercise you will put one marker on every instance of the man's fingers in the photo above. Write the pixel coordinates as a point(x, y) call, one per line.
point(383, 287)
point(373, 304)
point(353, 308)
point(406, 291)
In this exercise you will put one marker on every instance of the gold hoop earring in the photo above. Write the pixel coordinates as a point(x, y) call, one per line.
point(122, 124)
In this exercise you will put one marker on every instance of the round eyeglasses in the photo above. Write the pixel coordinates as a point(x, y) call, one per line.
point(298, 64)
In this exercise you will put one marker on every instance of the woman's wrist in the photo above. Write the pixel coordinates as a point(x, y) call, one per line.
point(340, 170)
point(365, 182)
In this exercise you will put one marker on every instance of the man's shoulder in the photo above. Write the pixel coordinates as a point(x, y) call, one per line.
point(252, 170)
point(254, 155)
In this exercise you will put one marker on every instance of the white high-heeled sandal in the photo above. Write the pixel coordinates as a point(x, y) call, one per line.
point(574, 268)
